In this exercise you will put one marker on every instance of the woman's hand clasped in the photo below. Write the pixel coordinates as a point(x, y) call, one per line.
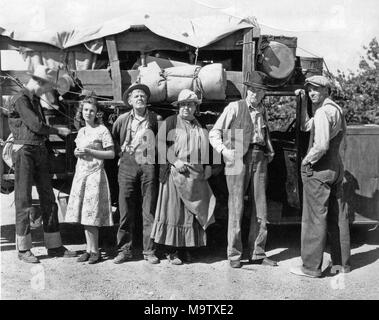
point(82, 152)
point(181, 166)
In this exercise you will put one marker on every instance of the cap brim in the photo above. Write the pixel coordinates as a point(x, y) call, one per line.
point(313, 84)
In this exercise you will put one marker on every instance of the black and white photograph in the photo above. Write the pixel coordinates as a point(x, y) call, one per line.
point(198, 152)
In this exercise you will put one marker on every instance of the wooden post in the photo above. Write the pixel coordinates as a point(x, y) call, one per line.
point(299, 102)
point(115, 68)
point(1, 126)
point(143, 59)
point(248, 57)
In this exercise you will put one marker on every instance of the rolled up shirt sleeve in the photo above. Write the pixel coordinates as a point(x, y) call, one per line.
point(321, 140)
point(223, 123)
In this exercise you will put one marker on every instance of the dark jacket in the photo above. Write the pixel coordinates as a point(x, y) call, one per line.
point(119, 129)
point(164, 169)
point(26, 120)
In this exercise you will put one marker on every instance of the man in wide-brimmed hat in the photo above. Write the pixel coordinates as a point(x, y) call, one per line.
point(30, 158)
point(249, 154)
point(322, 173)
point(136, 174)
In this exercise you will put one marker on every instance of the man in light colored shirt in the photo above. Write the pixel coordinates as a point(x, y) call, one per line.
point(322, 174)
point(134, 176)
point(247, 117)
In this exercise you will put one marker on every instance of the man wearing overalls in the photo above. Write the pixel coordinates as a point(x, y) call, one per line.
point(322, 174)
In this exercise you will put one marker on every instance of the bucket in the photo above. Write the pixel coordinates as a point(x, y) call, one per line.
point(64, 84)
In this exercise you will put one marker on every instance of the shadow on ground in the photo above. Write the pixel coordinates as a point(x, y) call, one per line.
point(287, 237)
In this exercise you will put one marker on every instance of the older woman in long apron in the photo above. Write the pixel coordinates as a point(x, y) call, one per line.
point(185, 202)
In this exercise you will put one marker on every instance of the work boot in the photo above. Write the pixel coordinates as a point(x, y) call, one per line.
point(94, 258)
point(61, 252)
point(123, 256)
point(174, 259)
point(84, 257)
point(264, 262)
point(299, 272)
point(151, 258)
point(235, 264)
point(187, 256)
point(27, 256)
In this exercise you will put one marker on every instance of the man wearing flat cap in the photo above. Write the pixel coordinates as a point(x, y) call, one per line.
point(247, 116)
point(137, 177)
point(322, 174)
point(31, 165)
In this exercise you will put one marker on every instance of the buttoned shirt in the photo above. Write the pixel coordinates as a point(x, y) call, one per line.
point(234, 117)
point(135, 131)
point(325, 124)
point(259, 120)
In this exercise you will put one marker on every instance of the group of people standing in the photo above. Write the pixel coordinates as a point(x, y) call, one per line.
point(171, 188)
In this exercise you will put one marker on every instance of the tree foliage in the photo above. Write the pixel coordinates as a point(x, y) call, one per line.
point(281, 111)
point(356, 92)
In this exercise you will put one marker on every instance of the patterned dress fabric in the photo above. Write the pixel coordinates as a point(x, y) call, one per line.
point(90, 202)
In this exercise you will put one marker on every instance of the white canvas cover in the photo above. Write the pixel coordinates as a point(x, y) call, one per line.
point(64, 24)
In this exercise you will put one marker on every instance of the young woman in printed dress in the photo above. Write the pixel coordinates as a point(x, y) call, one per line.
point(89, 203)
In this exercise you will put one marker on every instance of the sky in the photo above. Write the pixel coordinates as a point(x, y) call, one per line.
point(336, 30)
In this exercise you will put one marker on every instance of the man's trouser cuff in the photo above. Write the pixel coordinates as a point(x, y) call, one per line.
point(52, 240)
point(24, 243)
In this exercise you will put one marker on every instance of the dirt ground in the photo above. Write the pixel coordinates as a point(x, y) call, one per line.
point(208, 277)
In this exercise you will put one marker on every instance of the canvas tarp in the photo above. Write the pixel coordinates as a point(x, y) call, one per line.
point(64, 24)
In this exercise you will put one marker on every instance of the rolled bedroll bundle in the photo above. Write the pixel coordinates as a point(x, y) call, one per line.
point(208, 81)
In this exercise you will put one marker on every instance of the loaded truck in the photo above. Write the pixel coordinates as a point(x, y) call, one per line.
point(215, 62)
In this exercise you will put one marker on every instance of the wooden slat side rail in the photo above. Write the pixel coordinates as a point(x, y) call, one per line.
point(248, 57)
point(95, 80)
point(115, 67)
point(100, 82)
